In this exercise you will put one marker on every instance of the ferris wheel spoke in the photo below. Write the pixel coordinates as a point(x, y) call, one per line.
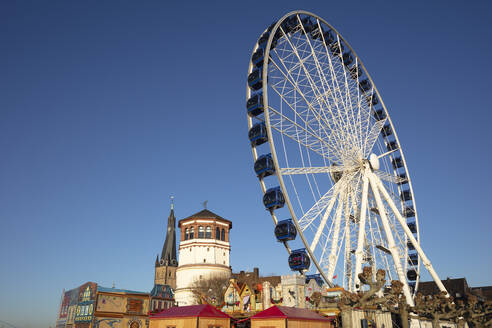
point(288, 79)
point(372, 136)
point(336, 86)
point(315, 170)
point(313, 87)
point(388, 177)
point(299, 134)
point(322, 224)
point(321, 77)
point(308, 217)
point(348, 103)
point(321, 123)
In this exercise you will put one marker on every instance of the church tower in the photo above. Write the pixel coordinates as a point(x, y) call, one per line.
point(165, 267)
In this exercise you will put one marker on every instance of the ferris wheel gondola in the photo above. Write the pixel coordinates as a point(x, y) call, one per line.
point(327, 155)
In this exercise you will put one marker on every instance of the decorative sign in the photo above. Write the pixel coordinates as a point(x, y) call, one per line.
point(84, 312)
point(85, 309)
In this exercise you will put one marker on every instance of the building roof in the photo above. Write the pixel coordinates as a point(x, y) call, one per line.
point(202, 310)
point(115, 290)
point(162, 291)
point(205, 214)
point(286, 312)
point(253, 278)
point(455, 287)
point(484, 291)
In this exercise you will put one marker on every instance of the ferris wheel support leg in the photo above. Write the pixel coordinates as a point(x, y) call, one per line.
point(362, 232)
point(391, 241)
point(425, 260)
point(332, 258)
point(348, 246)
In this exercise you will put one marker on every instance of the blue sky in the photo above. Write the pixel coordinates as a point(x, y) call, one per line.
point(108, 108)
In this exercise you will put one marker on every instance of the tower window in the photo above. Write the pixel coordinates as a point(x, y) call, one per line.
point(201, 232)
point(217, 233)
point(208, 232)
point(192, 232)
point(222, 235)
point(187, 233)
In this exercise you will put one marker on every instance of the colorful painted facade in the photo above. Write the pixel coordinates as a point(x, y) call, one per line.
point(93, 306)
point(119, 308)
point(161, 298)
point(84, 313)
point(232, 302)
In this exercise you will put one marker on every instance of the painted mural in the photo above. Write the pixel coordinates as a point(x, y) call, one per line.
point(111, 303)
point(107, 323)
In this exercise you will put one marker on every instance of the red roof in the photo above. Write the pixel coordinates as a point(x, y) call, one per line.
point(202, 310)
point(289, 313)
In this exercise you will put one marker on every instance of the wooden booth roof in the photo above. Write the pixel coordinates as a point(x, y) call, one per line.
point(202, 310)
point(289, 313)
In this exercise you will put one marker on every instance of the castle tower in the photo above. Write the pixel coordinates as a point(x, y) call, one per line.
point(204, 251)
point(165, 267)
point(293, 293)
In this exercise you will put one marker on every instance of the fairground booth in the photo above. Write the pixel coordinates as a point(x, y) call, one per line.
point(193, 316)
point(289, 317)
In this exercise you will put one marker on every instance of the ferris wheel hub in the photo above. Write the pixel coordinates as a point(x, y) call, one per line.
point(374, 161)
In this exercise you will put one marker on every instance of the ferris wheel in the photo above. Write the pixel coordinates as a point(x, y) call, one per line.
point(328, 159)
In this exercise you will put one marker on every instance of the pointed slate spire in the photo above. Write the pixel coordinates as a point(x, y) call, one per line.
point(157, 260)
point(168, 255)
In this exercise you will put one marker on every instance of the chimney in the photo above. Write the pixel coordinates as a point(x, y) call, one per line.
point(256, 272)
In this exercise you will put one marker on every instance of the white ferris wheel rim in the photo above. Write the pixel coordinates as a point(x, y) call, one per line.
point(278, 172)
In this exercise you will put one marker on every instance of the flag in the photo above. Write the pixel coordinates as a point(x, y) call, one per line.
point(335, 276)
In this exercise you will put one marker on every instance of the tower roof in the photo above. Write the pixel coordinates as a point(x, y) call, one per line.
point(206, 214)
point(168, 254)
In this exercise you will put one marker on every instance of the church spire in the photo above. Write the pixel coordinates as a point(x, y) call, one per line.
point(168, 255)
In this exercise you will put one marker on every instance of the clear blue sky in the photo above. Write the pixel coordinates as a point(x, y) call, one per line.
point(109, 107)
